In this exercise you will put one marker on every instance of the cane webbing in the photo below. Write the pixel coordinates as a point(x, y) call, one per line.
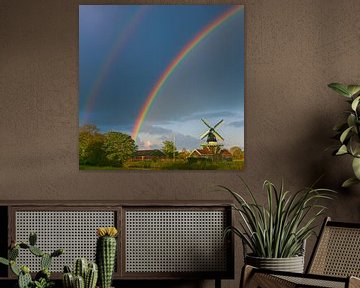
point(175, 241)
point(74, 231)
point(338, 252)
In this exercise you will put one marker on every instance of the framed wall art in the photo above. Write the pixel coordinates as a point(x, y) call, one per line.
point(161, 87)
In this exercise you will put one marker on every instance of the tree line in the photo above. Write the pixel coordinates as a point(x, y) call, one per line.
point(115, 148)
point(108, 149)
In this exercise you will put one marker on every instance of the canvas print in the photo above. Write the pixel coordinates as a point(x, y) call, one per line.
point(161, 87)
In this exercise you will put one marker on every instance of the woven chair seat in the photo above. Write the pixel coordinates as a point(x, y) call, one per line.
point(335, 262)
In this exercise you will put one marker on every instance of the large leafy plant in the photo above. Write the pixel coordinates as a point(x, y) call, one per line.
point(279, 229)
point(348, 132)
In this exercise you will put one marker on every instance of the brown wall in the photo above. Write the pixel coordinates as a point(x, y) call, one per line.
point(293, 49)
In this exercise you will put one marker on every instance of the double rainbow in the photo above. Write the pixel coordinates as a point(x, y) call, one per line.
point(175, 62)
point(121, 40)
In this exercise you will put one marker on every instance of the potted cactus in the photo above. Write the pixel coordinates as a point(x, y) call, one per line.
point(42, 278)
point(106, 254)
point(85, 275)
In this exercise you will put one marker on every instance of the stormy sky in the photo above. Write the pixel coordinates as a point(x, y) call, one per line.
point(124, 50)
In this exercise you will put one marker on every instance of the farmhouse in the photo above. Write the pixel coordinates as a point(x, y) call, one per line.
point(154, 154)
point(207, 153)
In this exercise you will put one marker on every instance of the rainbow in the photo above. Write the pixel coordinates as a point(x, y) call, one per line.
point(121, 39)
point(175, 62)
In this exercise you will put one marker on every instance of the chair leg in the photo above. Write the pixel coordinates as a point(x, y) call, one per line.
point(217, 283)
point(246, 273)
point(354, 282)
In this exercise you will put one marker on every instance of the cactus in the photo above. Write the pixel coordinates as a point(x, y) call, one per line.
point(24, 280)
point(79, 282)
point(13, 253)
point(45, 261)
point(4, 261)
point(81, 267)
point(68, 280)
point(36, 251)
point(91, 276)
point(105, 254)
point(42, 278)
point(32, 238)
point(14, 268)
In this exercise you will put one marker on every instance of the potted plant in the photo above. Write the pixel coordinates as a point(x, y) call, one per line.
point(42, 278)
point(348, 132)
point(276, 233)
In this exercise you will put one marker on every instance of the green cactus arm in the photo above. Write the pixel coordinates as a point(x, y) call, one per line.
point(45, 261)
point(13, 253)
point(36, 251)
point(79, 282)
point(68, 280)
point(67, 269)
point(24, 280)
point(4, 261)
point(24, 245)
point(32, 238)
point(14, 268)
point(81, 266)
point(57, 252)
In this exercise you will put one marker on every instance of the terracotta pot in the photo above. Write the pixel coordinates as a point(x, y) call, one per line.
point(291, 264)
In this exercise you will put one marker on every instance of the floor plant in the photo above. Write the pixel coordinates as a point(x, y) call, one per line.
point(348, 132)
point(279, 228)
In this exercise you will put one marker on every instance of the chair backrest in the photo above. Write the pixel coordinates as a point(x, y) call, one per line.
point(337, 251)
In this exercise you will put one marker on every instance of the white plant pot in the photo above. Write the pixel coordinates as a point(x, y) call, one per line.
point(291, 264)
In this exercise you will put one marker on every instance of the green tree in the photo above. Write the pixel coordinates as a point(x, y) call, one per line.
point(90, 146)
point(118, 148)
point(169, 148)
point(237, 152)
point(184, 154)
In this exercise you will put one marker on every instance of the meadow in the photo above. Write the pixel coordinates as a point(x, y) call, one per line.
point(170, 164)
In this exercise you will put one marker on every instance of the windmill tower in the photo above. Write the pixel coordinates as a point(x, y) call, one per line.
point(212, 137)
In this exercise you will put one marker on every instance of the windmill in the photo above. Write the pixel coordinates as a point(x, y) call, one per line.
point(212, 137)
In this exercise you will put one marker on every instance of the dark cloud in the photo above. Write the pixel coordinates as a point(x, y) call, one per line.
point(156, 130)
point(208, 115)
point(237, 123)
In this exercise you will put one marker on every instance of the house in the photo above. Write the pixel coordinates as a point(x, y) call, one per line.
point(208, 153)
point(151, 154)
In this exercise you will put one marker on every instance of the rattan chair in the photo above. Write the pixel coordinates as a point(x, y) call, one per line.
point(334, 263)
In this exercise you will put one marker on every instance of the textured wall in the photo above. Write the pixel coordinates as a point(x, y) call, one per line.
point(293, 49)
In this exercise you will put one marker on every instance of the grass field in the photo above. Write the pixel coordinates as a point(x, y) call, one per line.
point(170, 164)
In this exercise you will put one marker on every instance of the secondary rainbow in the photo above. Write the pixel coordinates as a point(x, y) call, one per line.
point(121, 40)
point(176, 61)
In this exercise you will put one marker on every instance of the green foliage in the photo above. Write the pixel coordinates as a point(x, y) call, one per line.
point(237, 152)
point(118, 148)
point(42, 278)
point(185, 164)
point(43, 283)
point(348, 132)
point(279, 229)
point(169, 148)
point(97, 149)
point(91, 146)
